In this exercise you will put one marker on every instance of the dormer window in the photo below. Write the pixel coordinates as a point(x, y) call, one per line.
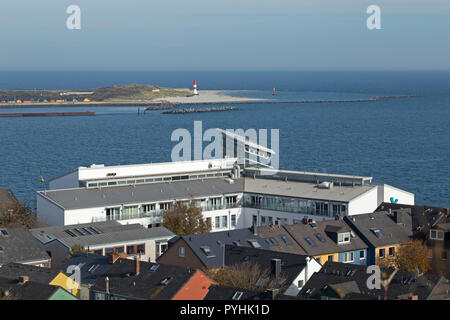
point(436, 235)
point(343, 237)
point(207, 251)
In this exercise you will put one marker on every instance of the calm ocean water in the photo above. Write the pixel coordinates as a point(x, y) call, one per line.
point(402, 142)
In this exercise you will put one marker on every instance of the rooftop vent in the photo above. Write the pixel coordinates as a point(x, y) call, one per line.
point(325, 185)
point(229, 180)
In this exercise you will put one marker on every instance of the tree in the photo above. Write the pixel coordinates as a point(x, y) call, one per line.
point(411, 255)
point(246, 275)
point(17, 213)
point(75, 249)
point(183, 220)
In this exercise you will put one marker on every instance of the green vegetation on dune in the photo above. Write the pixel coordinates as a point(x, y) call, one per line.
point(132, 92)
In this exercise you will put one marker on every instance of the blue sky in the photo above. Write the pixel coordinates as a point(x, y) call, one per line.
point(225, 35)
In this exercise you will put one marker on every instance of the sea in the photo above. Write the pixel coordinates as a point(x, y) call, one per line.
point(403, 142)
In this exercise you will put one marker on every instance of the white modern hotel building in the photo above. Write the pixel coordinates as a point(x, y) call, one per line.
point(230, 196)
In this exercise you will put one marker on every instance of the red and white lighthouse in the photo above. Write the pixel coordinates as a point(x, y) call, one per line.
point(195, 87)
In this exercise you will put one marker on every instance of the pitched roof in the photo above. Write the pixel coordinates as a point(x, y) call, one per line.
point(320, 237)
point(111, 232)
point(279, 239)
point(20, 246)
point(36, 274)
point(218, 292)
point(29, 290)
point(215, 241)
point(148, 284)
point(92, 266)
point(389, 233)
point(336, 273)
point(291, 264)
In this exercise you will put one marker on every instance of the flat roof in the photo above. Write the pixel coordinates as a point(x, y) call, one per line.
point(304, 189)
point(79, 198)
point(153, 192)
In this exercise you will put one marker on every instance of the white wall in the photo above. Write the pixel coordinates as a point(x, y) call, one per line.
point(67, 181)
point(312, 267)
point(404, 197)
point(78, 216)
point(364, 203)
point(48, 213)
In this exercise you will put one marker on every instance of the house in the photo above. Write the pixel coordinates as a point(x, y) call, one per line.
point(429, 225)
point(89, 267)
point(189, 250)
point(40, 275)
point(18, 245)
point(23, 289)
point(138, 280)
point(349, 281)
point(382, 232)
point(288, 272)
point(104, 238)
point(329, 240)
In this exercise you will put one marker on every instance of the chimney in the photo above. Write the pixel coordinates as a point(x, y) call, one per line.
point(107, 285)
point(398, 216)
point(276, 267)
point(136, 264)
point(273, 293)
point(23, 279)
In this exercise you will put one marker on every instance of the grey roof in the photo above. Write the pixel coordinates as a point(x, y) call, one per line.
point(92, 266)
point(169, 191)
point(152, 192)
point(147, 285)
point(301, 231)
point(29, 290)
point(113, 232)
point(274, 232)
point(36, 274)
point(20, 246)
point(291, 264)
point(216, 240)
point(6, 196)
point(336, 273)
point(218, 292)
point(392, 233)
point(304, 189)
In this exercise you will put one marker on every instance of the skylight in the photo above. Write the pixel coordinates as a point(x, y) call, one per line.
point(320, 237)
point(255, 244)
point(237, 243)
point(153, 268)
point(237, 295)
point(208, 252)
point(271, 241)
point(378, 233)
point(310, 242)
point(4, 232)
point(285, 239)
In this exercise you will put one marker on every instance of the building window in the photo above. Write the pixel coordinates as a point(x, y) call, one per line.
point(148, 207)
point(217, 224)
point(109, 251)
point(348, 257)
point(263, 220)
point(181, 252)
point(208, 221)
point(255, 220)
point(270, 221)
point(381, 253)
point(231, 200)
point(444, 255)
point(131, 249)
point(165, 206)
point(436, 235)
point(140, 248)
point(343, 237)
point(224, 221)
point(362, 254)
point(391, 251)
point(99, 252)
point(330, 258)
point(233, 220)
point(118, 250)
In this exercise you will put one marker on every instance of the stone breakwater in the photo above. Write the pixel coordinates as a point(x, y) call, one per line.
point(198, 110)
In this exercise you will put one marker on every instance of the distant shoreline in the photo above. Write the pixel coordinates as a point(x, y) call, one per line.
point(204, 97)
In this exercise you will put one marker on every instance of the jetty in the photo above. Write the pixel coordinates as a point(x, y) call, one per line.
point(46, 114)
point(198, 110)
